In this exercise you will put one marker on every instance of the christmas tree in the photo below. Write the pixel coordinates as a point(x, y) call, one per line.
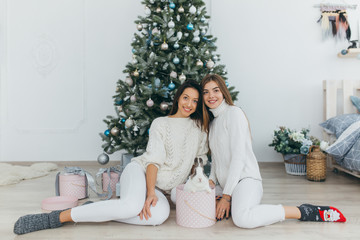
point(172, 45)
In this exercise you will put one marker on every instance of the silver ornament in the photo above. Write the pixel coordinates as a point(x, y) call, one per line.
point(164, 106)
point(207, 52)
point(171, 24)
point(181, 9)
point(155, 30)
point(103, 159)
point(129, 81)
point(203, 31)
point(115, 131)
point(139, 27)
point(134, 61)
point(147, 11)
point(176, 45)
point(152, 1)
point(179, 35)
point(182, 78)
point(109, 149)
point(150, 103)
point(192, 9)
point(186, 34)
point(164, 46)
point(129, 122)
point(210, 64)
point(158, 10)
point(120, 108)
point(133, 39)
point(199, 63)
point(196, 39)
point(173, 74)
point(133, 98)
point(215, 58)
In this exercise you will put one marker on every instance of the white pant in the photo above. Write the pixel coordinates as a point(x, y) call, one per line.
point(131, 202)
point(246, 210)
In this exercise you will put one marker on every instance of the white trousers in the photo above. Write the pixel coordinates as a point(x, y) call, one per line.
point(246, 210)
point(130, 204)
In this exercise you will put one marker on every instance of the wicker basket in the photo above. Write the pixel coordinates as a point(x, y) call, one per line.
point(316, 165)
point(295, 164)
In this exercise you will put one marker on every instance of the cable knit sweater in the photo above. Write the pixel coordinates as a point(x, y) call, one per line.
point(231, 148)
point(173, 145)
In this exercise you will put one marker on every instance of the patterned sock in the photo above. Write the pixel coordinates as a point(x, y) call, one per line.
point(36, 222)
point(320, 213)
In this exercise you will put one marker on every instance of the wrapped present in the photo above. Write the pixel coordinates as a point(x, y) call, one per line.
point(110, 177)
point(195, 209)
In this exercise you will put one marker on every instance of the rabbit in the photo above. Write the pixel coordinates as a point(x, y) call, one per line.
point(197, 181)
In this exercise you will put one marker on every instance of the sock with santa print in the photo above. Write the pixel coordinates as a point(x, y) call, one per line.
point(320, 213)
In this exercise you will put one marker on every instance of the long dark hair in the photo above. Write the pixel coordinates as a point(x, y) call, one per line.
point(197, 116)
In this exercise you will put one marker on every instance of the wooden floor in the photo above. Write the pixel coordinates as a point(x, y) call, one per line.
point(340, 190)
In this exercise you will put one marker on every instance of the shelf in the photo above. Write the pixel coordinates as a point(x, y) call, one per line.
point(352, 53)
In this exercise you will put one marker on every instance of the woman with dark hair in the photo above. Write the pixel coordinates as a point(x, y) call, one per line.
point(234, 166)
point(174, 142)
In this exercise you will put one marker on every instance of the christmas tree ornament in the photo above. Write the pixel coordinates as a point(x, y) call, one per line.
point(149, 103)
point(164, 46)
point(120, 108)
point(202, 19)
point(136, 128)
point(172, 5)
point(176, 45)
point(123, 120)
point(109, 149)
point(171, 24)
point(119, 102)
point(133, 50)
point(344, 51)
point(176, 60)
point(199, 63)
point(145, 25)
point(155, 31)
point(107, 132)
point(115, 131)
point(129, 122)
point(215, 58)
point(196, 39)
point(155, 24)
point(133, 39)
point(152, 1)
point(164, 106)
point(198, 12)
point(158, 10)
point(136, 73)
point(133, 98)
point(207, 52)
point(139, 27)
point(181, 9)
point(129, 81)
point(182, 78)
point(173, 74)
point(186, 34)
point(203, 31)
point(171, 86)
point(117, 89)
point(190, 27)
point(210, 64)
point(147, 11)
point(179, 35)
point(157, 82)
point(227, 83)
point(103, 159)
point(192, 9)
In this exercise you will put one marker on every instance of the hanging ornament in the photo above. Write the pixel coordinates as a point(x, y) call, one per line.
point(129, 81)
point(176, 60)
point(147, 11)
point(172, 5)
point(176, 45)
point(173, 74)
point(210, 64)
point(139, 27)
point(120, 108)
point(107, 132)
point(164, 46)
point(115, 131)
point(129, 122)
point(181, 9)
point(157, 82)
point(202, 19)
point(152, 1)
point(192, 9)
point(155, 31)
point(109, 149)
point(203, 31)
point(136, 73)
point(119, 102)
point(171, 86)
point(199, 63)
point(190, 27)
point(149, 103)
point(196, 39)
point(134, 61)
point(182, 78)
point(207, 52)
point(103, 159)
point(158, 10)
point(133, 39)
point(215, 58)
point(227, 83)
point(179, 35)
point(344, 51)
point(133, 50)
point(164, 106)
point(133, 98)
point(171, 24)
point(122, 120)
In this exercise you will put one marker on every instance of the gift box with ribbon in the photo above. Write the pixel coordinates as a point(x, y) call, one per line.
point(110, 177)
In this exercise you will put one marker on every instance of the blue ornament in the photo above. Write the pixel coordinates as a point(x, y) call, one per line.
point(176, 60)
point(344, 52)
point(171, 86)
point(133, 50)
point(119, 102)
point(157, 82)
point(150, 86)
point(227, 83)
point(176, 45)
point(172, 5)
point(148, 131)
point(123, 120)
point(166, 92)
point(107, 132)
point(190, 27)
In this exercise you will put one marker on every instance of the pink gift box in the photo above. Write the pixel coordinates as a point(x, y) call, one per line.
point(73, 185)
point(59, 203)
point(114, 179)
point(195, 210)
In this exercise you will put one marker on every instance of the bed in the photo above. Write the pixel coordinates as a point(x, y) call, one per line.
point(342, 122)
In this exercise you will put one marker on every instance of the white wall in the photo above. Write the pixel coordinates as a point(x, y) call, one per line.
point(60, 61)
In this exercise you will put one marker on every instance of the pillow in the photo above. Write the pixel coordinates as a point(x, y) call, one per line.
point(356, 102)
point(344, 143)
point(352, 158)
point(338, 124)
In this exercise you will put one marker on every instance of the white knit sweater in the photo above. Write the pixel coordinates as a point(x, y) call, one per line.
point(232, 155)
point(173, 145)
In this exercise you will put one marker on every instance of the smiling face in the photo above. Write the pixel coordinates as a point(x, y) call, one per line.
point(187, 103)
point(212, 95)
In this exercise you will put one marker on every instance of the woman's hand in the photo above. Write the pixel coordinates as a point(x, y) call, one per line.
point(223, 207)
point(151, 200)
